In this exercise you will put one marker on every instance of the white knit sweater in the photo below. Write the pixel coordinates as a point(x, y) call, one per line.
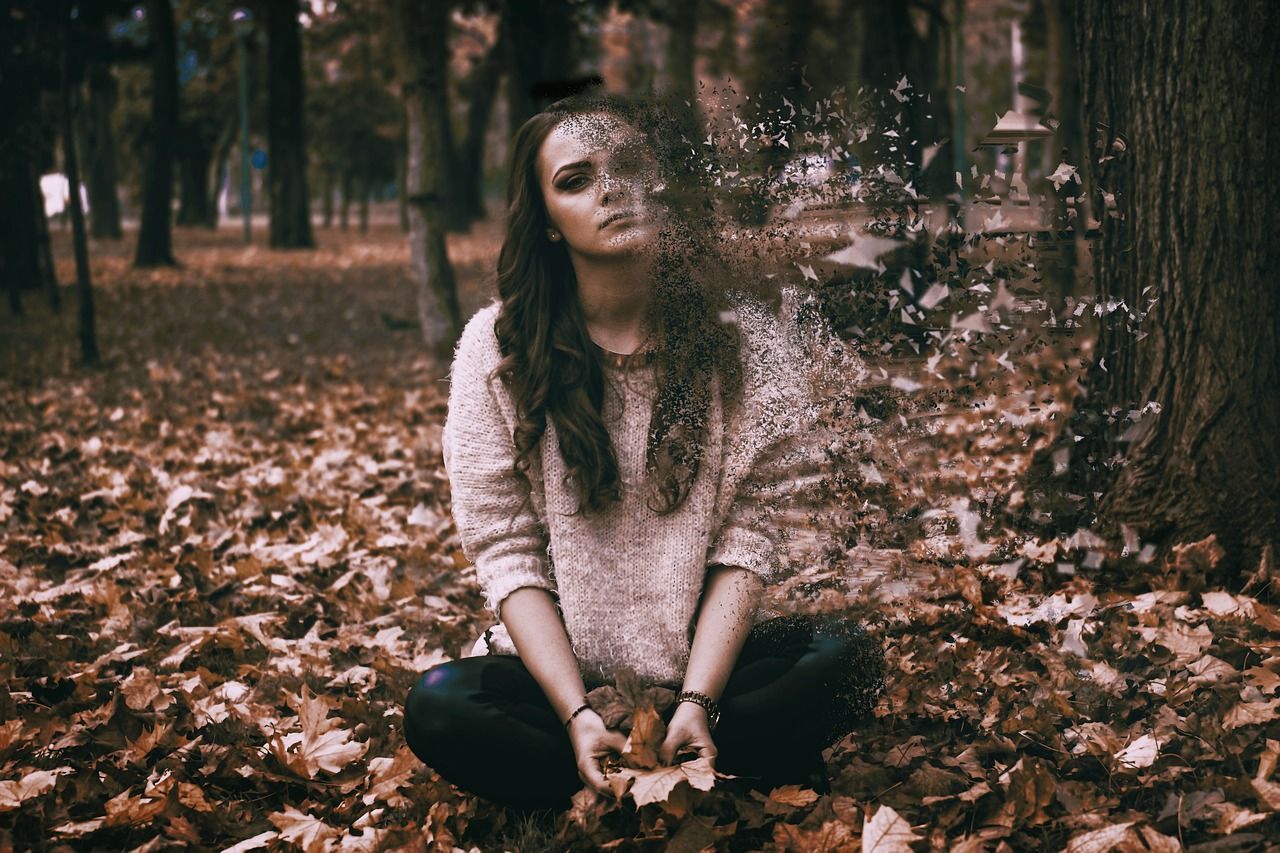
point(628, 580)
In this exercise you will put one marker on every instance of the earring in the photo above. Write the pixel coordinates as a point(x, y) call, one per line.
point(553, 235)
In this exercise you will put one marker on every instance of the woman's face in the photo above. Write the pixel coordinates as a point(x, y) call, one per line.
point(598, 179)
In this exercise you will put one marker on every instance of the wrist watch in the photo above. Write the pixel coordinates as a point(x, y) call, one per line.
point(708, 704)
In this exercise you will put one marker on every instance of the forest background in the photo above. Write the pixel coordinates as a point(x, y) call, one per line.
point(1044, 229)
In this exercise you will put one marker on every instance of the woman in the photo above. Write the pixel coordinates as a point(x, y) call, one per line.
point(618, 431)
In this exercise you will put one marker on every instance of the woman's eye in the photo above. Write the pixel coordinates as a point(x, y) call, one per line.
point(575, 182)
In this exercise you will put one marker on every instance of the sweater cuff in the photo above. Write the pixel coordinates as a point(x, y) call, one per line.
point(747, 549)
point(499, 582)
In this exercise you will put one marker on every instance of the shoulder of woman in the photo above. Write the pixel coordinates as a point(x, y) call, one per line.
point(769, 339)
point(477, 348)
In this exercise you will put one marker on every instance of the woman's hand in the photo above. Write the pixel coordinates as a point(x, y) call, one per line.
point(688, 730)
point(592, 742)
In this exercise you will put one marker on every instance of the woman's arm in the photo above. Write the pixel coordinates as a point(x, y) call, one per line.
point(729, 600)
point(538, 634)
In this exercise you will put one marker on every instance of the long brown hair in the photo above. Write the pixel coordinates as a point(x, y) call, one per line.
point(550, 364)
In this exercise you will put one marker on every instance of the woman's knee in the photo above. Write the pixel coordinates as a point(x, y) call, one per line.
point(852, 665)
point(435, 703)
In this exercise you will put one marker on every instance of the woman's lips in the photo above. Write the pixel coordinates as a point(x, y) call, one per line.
point(614, 217)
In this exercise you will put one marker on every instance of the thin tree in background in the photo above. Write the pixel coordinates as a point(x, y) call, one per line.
point(155, 234)
point(421, 50)
point(80, 240)
point(290, 203)
point(1182, 96)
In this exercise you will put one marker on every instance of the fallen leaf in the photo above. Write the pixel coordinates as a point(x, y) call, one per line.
point(305, 830)
point(887, 832)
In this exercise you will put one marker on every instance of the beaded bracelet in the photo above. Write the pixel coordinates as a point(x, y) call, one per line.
point(585, 706)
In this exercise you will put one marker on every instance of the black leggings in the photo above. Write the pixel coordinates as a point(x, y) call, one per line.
point(484, 724)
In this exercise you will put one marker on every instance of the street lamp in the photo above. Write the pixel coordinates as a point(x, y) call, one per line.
point(242, 25)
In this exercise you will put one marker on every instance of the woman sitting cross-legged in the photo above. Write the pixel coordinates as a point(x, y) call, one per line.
point(620, 433)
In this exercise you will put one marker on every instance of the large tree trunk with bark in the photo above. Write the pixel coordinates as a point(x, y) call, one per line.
point(100, 154)
point(290, 203)
point(1186, 91)
point(422, 56)
point(155, 246)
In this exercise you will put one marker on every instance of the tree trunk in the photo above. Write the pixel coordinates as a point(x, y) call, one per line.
point(422, 56)
point(402, 184)
point(195, 206)
point(155, 246)
point(44, 246)
point(100, 155)
point(221, 178)
point(482, 90)
point(326, 190)
point(344, 209)
point(290, 204)
point(542, 54)
point(21, 217)
point(84, 285)
point(365, 191)
point(1192, 245)
point(682, 38)
point(892, 50)
point(1070, 211)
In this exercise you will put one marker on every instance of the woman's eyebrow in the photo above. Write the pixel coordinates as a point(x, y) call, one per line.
point(578, 165)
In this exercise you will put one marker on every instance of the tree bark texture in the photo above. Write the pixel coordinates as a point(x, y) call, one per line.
point(155, 246)
point(422, 56)
point(290, 204)
point(100, 155)
point(1187, 90)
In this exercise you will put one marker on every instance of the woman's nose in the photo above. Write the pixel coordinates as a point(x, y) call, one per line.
point(614, 188)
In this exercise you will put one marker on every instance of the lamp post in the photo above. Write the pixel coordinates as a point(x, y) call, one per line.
point(242, 23)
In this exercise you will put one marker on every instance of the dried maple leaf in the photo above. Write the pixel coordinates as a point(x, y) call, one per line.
point(832, 837)
point(305, 830)
point(887, 832)
point(126, 810)
point(388, 775)
point(794, 796)
point(13, 793)
point(647, 733)
point(1106, 839)
point(320, 745)
point(142, 692)
point(656, 785)
point(1138, 753)
point(1250, 714)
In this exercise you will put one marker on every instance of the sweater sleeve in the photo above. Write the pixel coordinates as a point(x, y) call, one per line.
point(775, 461)
point(500, 530)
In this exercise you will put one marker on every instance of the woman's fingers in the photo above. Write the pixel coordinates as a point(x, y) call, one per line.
point(590, 773)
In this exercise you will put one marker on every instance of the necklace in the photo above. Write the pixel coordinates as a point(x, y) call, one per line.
point(622, 360)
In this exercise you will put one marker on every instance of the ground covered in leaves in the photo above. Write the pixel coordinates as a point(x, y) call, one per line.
point(227, 555)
